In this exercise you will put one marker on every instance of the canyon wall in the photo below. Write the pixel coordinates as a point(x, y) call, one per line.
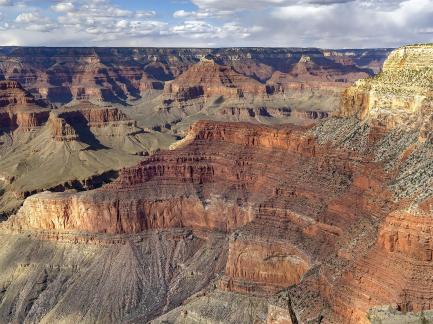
point(125, 74)
point(19, 109)
point(324, 222)
point(399, 95)
point(216, 179)
point(43, 147)
point(297, 210)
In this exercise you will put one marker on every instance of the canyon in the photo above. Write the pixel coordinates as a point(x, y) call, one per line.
point(71, 118)
point(126, 74)
point(220, 185)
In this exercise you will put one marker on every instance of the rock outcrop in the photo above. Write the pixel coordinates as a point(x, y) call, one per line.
point(12, 94)
point(324, 74)
point(19, 109)
point(399, 95)
point(191, 186)
point(263, 267)
point(403, 241)
point(209, 79)
point(63, 148)
point(62, 130)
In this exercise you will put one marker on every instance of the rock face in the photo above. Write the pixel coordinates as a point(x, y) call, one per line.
point(87, 115)
point(307, 74)
point(122, 75)
point(209, 79)
point(265, 224)
point(79, 146)
point(13, 94)
point(303, 210)
point(88, 120)
point(193, 185)
point(403, 242)
point(263, 267)
point(61, 130)
point(19, 109)
point(399, 95)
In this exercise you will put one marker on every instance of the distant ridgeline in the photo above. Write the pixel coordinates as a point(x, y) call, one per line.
point(126, 74)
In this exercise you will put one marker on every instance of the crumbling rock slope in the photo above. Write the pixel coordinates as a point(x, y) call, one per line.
point(104, 280)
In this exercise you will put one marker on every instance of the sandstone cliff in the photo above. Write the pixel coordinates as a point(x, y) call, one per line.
point(208, 79)
point(399, 95)
point(19, 109)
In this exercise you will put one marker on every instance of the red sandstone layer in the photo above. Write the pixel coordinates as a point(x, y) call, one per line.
point(208, 79)
point(294, 204)
point(19, 109)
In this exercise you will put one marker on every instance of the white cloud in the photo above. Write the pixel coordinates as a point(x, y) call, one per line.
point(6, 3)
point(195, 27)
point(355, 25)
point(203, 14)
point(323, 23)
point(105, 21)
point(303, 12)
point(27, 17)
point(122, 24)
point(63, 7)
point(145, 14)
point(182, 14)
point(34, 21)
point(258, 4)
point(198, 29)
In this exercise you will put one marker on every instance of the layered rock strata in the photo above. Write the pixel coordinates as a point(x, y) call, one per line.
point(13, 94)
point(123, 75)
point(264, 183)
point(19, 109)
point(68, 122)
point(399, 95)
point(308, 75)
point(209, 79)
point(337, 216)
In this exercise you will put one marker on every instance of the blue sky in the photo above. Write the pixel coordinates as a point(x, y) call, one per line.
point(216, 23)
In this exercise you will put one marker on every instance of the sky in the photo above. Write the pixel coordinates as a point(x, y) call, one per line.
point(216, 23)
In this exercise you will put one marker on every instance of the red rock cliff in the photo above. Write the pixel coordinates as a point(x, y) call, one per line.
point(19, 109)
point(208, 79)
